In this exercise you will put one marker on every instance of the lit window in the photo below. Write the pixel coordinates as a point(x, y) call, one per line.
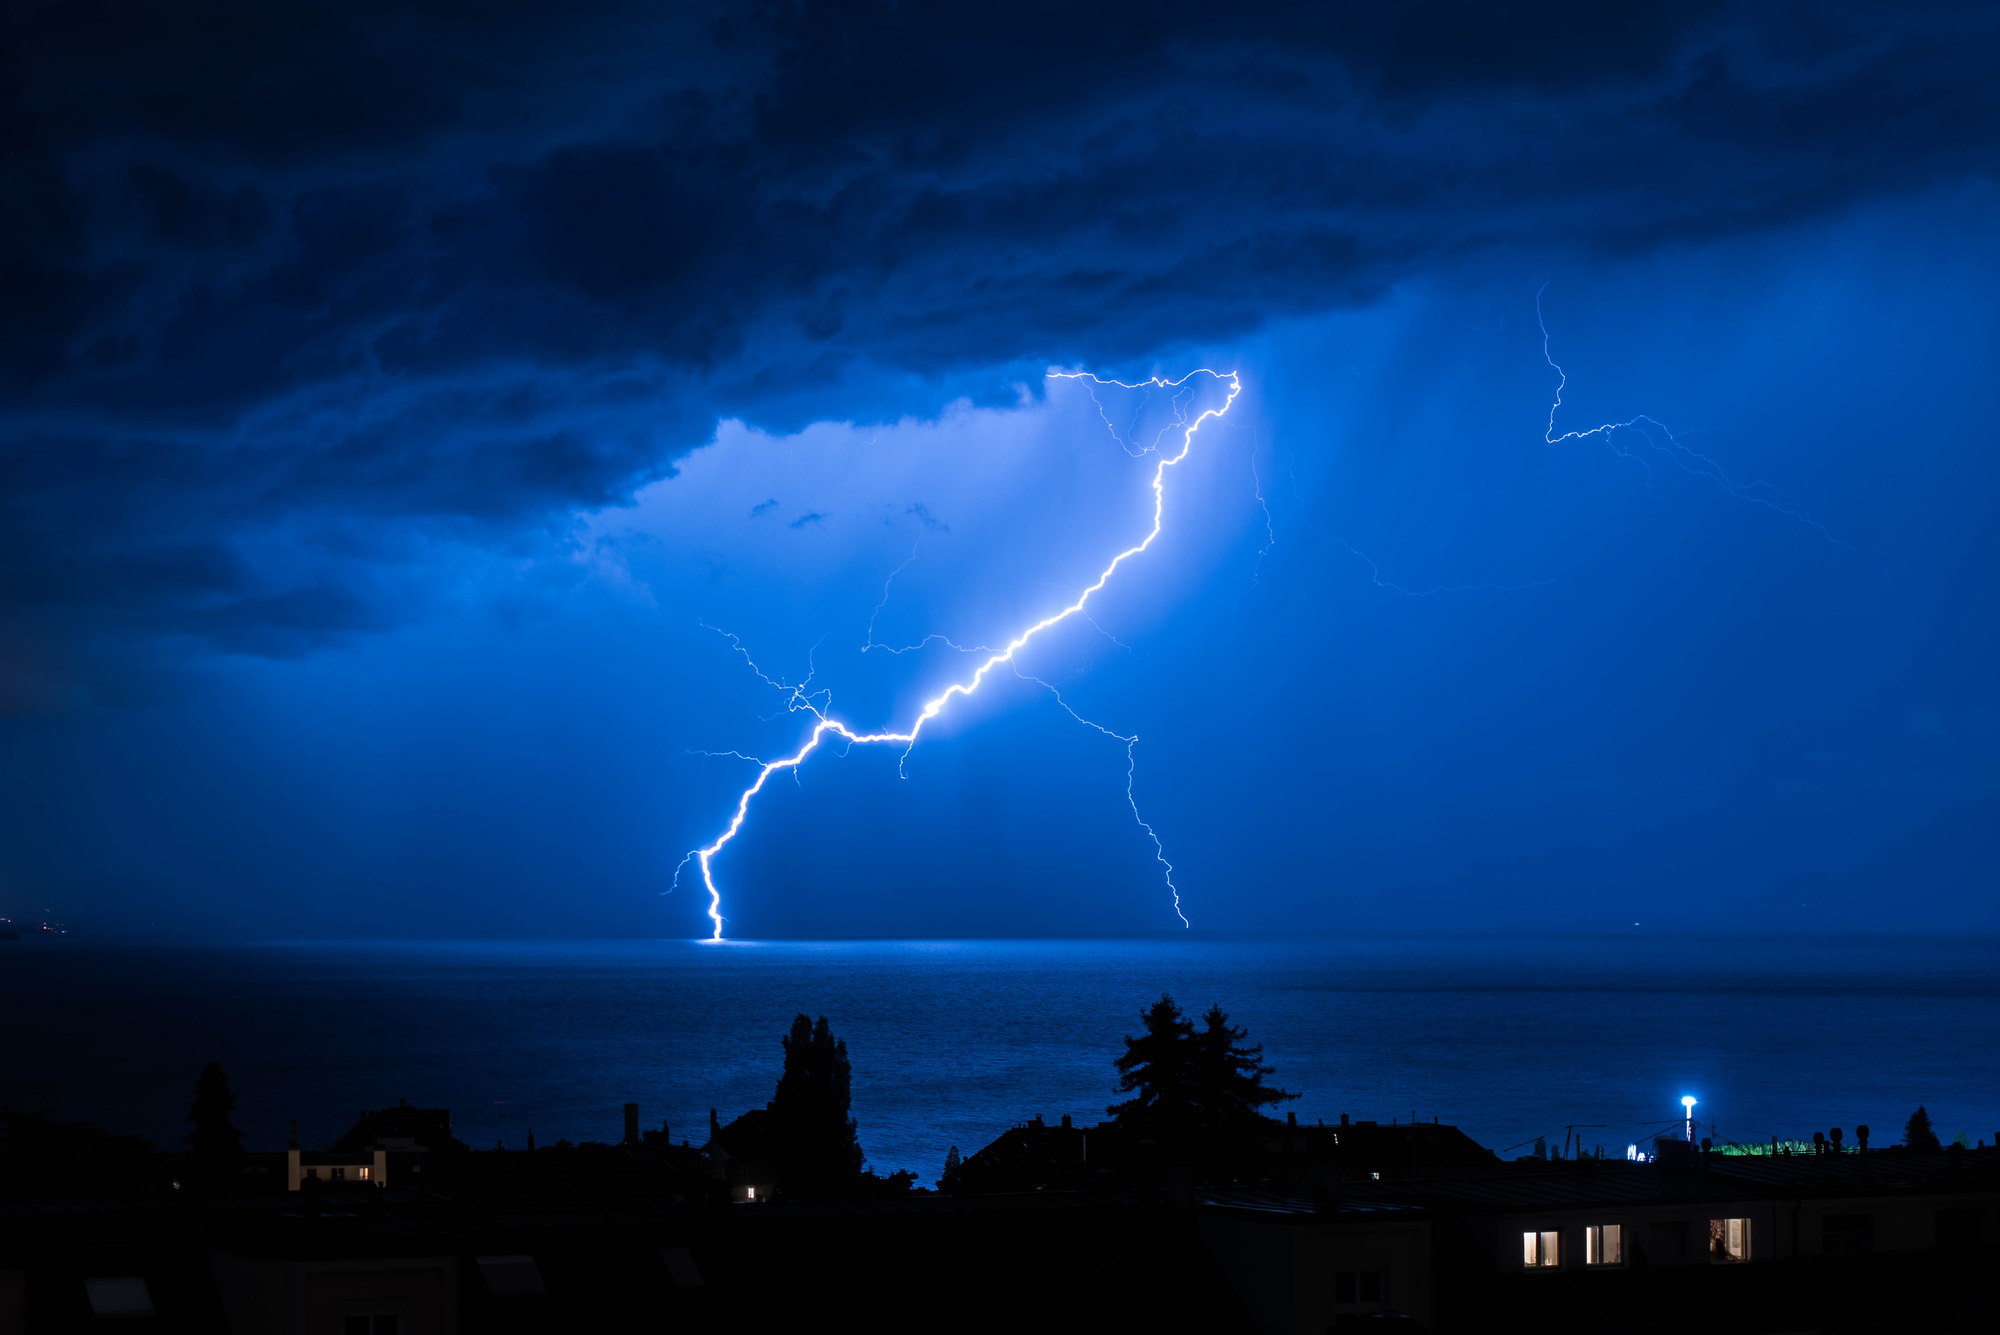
point(1539, 1249)
point(1604, 1244)
point(752, 1192)
point(1729, 1239)
point(364, 1175)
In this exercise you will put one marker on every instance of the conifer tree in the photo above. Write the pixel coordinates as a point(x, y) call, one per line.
point(952, 1163)
point(1917, 1132)
point(818, 1154)
point(1228, 1079)
point(1157, 1069)
point(215, 1147)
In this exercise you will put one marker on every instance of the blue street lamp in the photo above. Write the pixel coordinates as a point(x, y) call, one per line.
point(1687, 1102)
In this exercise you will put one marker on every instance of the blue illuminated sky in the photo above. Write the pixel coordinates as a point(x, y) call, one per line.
point(403, 409)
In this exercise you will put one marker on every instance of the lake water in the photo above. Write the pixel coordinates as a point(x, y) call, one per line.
point(951, 1042)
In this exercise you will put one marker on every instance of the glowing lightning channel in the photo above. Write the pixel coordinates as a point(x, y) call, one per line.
point(1131, 777)
point(925, 643)
point(1673, 449)
point(932, 708)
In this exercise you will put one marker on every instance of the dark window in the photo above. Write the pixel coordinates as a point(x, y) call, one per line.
point(1667, 1243)
point(1357, 1286)
point(1961, 1227)
point(509, 1275)
point(1847, 1233)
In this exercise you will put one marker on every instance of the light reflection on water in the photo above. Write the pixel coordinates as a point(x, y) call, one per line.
point(954, 1040)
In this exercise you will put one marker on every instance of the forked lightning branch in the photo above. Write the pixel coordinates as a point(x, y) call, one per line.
point(826, 725)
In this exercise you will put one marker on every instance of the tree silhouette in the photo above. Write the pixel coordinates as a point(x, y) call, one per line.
point(215, 1147)
point(1157, 1069)
point(1229, 1092)
point(811, 1131)
point(1917, 1133)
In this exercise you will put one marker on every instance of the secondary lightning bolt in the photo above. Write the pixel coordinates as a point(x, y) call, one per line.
point(1673, 449)
point(928, 640)
point(1131, 777)
point(705, 857)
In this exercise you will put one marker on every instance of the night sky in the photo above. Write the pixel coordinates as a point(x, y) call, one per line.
point(404, 407)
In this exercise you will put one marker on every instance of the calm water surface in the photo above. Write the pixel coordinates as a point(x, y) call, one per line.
point(953, 1041)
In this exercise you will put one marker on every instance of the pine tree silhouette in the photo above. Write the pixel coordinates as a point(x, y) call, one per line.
point(1917, 1133)
point(1229, 1092)
point(1157, 1069)
point(952, 1163)
point(215, 1147)
point(818, 1155)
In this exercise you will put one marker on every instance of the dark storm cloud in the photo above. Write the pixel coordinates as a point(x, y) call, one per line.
point(298, 302)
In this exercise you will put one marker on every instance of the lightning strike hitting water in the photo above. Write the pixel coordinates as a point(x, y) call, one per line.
point(826, 724)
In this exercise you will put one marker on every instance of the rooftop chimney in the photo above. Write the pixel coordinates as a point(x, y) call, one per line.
point(632, 1126)
point(1291, 1119)
point(1343, 1119)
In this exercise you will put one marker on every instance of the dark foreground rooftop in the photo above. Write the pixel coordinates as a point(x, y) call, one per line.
point(647, 1237)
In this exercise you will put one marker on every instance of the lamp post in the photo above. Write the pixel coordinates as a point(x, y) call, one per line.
point(1687, 1102)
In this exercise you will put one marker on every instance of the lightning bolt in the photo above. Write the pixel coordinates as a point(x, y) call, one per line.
point(1689, 461)
point(827, 725)
point(1131, 777)
point(1270, 531)
point(871, 642)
